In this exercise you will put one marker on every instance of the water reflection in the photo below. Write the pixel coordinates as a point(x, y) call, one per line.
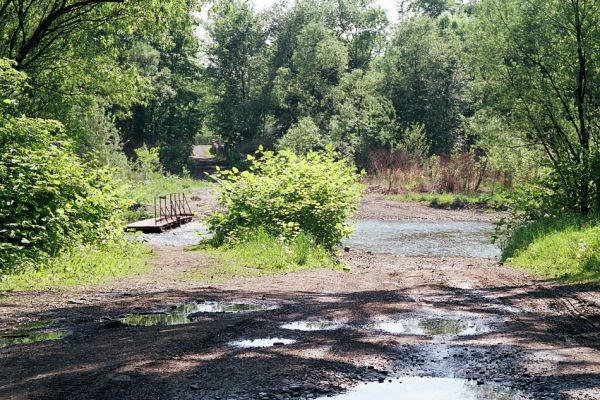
point(415, 388)
point(263, 342)
point(313, 325)
point(181, 314)
point(31, 332)
point(430, 326)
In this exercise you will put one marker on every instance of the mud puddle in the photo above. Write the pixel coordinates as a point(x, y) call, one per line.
point(260, 343)
point(33, 332)
point(313, 326)
point(428, 389)
point(425, 238)
point(181, 314)
point(437, 326)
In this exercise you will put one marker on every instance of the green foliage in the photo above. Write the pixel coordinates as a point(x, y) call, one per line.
point(566, 247)
point(262, 254)
point(50, 199)
point(425, 78)
point(302, 137)
point(81, 264)
point(237, 69)
point(414, 142)
point(538, 65)
point(147, 161)
point(286, 194)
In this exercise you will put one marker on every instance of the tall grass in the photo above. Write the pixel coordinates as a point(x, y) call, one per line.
point(566, 247)
point(262, 254)
point(84, 264)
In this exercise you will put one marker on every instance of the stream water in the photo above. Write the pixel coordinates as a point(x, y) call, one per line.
point(425, 238)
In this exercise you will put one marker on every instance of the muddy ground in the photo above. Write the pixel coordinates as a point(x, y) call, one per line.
point(541, 338)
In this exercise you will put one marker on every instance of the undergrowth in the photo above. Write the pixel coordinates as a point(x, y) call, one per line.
point(83, 264)
point(565, 247)
point(262, 254)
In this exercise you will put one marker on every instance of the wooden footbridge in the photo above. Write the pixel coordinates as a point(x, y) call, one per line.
point(170, 211)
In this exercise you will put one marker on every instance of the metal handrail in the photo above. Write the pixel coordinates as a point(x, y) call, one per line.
point(171, 206)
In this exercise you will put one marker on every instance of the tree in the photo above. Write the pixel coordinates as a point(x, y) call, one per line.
point(425, 78)
point(176, 107)
point(431, 8)
point(305, 88)
point(76, 55)
point(540, 70)
point(37, 32)
point(236, 66)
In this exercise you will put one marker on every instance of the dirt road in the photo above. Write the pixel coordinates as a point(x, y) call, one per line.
point(453, 317)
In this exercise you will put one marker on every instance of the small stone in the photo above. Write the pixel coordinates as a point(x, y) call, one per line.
point(195, 386)
point(347, 249)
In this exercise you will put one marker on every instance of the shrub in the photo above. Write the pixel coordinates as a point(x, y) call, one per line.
point(147, 161)
point(302, 137)
point(285, 194)
point(49, 198)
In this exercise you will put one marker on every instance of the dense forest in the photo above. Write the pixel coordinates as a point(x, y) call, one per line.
point(478, 96)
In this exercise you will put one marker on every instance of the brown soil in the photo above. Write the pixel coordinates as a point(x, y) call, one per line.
point(543, 338)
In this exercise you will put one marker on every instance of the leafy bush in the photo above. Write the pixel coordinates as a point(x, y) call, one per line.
point(302, 137)
point(285, 194)
point(49, 198)
point(147, 161)
point(415, 143)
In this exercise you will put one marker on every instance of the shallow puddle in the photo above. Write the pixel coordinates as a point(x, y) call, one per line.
point(415, 388)
point(425, 238)
point(31, 332)
point(430, 326)
point(181, 314)
point(265, 342)
point(313, 325)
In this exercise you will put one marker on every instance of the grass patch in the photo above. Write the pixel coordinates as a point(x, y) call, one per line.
point(85, 264)
point(143, 192)
point(496, 201)
point(566, 247)
point(262, 255)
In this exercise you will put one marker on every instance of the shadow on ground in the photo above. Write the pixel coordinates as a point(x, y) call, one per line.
point(194, 361)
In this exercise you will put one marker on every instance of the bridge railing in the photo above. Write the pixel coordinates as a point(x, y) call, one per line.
point(171, 207)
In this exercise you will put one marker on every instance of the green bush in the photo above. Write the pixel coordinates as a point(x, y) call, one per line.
point(285, 194)
point(49, 198)
point(302, 137)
